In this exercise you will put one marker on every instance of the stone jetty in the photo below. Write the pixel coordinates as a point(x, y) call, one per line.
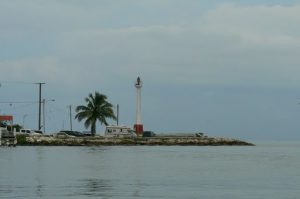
point(47, 140)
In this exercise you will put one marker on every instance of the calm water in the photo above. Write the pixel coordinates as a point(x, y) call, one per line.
point(266, 171)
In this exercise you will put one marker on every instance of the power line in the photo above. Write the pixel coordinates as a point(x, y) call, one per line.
point(15, 82)
point(16, 105)
point(18, 102)
point(40, 94)
point(21, 106)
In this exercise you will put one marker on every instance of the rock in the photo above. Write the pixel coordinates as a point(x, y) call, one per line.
point(99, 141)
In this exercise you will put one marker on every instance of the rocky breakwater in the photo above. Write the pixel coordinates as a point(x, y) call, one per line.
point(104, 141)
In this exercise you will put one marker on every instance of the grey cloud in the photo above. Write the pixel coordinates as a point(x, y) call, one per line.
point(227, 45)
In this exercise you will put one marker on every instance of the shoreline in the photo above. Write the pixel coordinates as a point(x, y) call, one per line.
point(138, 141)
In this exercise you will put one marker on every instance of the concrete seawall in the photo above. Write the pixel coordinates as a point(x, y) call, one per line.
point(103, 141)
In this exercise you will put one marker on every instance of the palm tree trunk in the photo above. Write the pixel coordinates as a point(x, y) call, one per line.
point(93, 128)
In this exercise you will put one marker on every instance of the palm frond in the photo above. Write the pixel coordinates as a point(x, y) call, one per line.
point(81, 108)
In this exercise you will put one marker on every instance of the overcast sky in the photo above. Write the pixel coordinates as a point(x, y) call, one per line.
point(224, 67)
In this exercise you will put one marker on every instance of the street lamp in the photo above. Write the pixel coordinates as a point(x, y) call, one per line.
point(44, 113)
point(24, 116)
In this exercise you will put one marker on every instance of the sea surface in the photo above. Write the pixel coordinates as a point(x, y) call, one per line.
point(269, 170)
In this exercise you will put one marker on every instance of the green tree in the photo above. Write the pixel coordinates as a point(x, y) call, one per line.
point(97, 109)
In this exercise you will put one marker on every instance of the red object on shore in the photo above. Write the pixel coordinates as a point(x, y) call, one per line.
point(6, 118)
point(138, 129)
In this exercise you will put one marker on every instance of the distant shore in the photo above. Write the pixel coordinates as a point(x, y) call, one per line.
point(151, 141)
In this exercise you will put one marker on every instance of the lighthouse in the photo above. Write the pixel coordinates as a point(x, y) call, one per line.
point(138, 127)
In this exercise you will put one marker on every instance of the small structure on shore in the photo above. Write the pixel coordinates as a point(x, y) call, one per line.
point(7, 137)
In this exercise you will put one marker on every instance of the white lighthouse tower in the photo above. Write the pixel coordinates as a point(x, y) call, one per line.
point(138, 127)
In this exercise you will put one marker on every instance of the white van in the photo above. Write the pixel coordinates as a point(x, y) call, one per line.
point(119, 131)
point(30, 132)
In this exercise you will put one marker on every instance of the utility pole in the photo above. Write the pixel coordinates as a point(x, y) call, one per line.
point(117, 114)
point(40, 104)
point(44, 125)
point(70, 107)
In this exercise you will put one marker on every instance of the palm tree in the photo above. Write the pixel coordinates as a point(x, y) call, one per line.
point(97, 108)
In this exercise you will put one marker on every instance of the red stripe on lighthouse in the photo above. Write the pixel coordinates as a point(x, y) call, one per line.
point(138, 129)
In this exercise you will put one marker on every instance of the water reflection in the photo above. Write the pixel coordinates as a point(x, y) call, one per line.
point(5, 189)
point(95, 149)
point(92, 187)
point(40, 153)
point(39, 189)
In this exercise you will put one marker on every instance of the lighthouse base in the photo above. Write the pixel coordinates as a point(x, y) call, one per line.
point(138, 129)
